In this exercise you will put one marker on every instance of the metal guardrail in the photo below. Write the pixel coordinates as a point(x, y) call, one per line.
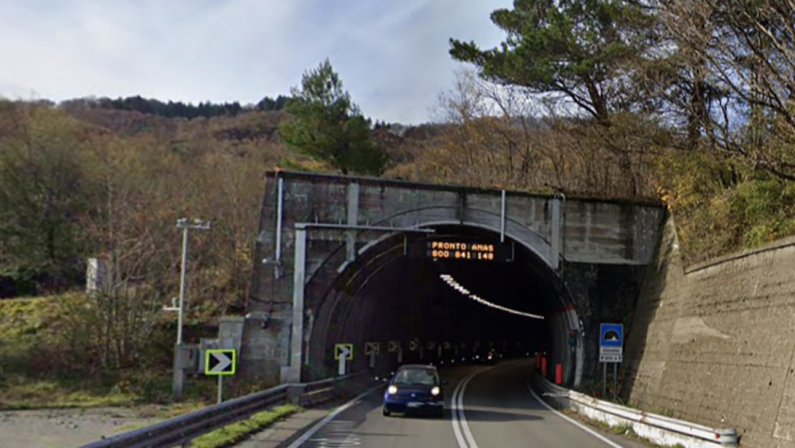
point(179, 431)
point(318, 392)
point(660, 427)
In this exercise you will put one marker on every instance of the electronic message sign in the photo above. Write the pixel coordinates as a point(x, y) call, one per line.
point(451, 249)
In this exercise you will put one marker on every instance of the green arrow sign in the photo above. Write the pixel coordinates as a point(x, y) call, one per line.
point(220, 362)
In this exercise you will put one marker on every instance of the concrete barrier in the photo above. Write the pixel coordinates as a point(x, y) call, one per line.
point(658, 429)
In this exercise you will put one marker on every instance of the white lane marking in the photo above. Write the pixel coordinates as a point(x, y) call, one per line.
point(458, 416)
point(454, 416)
point(573, 422)
point(462, 420)
point(301, 440)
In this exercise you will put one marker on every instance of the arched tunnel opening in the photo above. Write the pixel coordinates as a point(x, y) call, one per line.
point(454, 309)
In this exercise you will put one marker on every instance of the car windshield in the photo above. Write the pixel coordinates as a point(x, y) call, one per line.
point(417, 376)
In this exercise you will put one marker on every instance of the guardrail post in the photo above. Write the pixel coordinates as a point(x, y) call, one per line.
point(339, 386)
point(294, 393)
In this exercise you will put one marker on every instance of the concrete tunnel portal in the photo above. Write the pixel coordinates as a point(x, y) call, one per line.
point(397, 290)
point(330, 267)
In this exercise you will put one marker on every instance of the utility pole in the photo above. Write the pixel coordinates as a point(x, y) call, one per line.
point(179, 363)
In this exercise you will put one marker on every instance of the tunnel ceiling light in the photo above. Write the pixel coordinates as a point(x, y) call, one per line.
point(457, 286)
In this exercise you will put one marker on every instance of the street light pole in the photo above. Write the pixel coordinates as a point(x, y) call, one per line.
point(179, 372)
point(183, 270)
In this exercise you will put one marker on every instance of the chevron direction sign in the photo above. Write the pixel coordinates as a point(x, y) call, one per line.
point(220, 362)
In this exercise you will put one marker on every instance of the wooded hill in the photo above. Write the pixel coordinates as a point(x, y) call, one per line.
point(688, 103)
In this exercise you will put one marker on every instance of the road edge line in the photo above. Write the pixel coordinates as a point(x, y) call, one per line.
point(319, 425)
point(572, 421)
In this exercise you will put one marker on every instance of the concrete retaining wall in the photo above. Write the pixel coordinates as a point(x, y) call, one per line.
point(715, 344)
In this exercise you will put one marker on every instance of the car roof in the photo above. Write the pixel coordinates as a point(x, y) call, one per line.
point(417, 366)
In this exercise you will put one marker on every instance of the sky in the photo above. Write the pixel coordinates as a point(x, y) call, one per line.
point(392, 56)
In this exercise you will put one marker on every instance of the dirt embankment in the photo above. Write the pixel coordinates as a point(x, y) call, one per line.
point(68, 428)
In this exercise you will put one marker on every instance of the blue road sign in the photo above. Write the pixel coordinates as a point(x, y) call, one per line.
point(611, 335)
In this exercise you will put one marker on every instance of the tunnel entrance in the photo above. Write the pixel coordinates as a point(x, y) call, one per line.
point(458, 288)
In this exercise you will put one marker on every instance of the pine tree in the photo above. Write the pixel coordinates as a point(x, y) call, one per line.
point(324, 123)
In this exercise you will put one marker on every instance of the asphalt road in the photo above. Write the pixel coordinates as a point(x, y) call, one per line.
point(485, 407)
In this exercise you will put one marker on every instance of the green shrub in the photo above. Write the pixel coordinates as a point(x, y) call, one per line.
point(236, 432)
point(722, 206)
point(48, 360)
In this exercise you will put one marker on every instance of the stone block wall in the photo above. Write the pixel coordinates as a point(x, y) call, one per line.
point(714, 344)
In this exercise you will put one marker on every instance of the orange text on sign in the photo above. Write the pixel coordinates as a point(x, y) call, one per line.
point(462, 255)
point(455, 246)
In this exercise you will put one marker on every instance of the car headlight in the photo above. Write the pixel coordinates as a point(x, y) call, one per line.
point(392, 390)
point(435, 390)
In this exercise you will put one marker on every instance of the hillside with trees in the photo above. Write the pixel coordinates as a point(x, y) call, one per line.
point(689, 101)
point(685, 103)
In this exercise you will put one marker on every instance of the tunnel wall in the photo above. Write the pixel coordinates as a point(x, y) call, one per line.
point(575, 230)
point(588, 231)
point(601, 294)
point(560, 351)
point(715, 342)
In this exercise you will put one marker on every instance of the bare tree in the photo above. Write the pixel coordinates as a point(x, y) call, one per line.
point(502, 135)
point(748, 52)
point(128, 229)
point(228, 187)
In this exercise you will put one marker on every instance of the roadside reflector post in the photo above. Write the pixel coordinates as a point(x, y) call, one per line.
point(220, 389)
point(371, 349)
point(220, 362)
point(343, 353)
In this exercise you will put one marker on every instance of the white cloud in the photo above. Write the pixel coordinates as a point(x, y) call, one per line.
point(392, 56)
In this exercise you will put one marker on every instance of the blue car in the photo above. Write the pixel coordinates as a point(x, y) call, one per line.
point(415, 389)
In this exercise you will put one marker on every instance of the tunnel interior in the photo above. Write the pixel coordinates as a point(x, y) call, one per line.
point(400, 290)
